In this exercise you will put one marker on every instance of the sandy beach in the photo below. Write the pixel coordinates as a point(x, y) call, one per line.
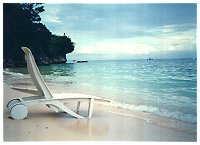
point(43, 124)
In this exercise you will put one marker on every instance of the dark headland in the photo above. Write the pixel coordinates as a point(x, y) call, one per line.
point(22, 27)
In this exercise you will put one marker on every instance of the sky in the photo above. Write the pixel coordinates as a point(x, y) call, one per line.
point(125, 31)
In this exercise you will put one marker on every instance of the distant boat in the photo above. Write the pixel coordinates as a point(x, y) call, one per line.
point(150, 59)
point(76, 61)
point(83, 61)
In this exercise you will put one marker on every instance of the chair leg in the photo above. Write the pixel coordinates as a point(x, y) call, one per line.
point(90, 108)
point(65, 109)
point(78, 107)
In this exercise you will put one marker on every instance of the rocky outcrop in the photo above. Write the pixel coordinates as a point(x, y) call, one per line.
point(40, 61)
point(59, 59)
point(11, 63)
point(43, 61)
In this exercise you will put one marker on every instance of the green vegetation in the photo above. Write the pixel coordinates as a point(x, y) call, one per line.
point(22, 27)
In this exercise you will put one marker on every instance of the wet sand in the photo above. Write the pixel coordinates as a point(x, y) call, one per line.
point(43, 124)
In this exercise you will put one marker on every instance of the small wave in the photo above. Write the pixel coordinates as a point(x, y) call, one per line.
point(12, 73)
point(152, 110)
point(178, 115)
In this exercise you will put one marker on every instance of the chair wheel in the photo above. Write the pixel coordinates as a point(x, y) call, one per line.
point(19, 112)
point(11, 103)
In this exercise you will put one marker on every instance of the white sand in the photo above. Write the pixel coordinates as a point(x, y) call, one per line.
point(43, 124)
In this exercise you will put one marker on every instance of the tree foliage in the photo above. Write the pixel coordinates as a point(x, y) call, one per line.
point(22, 27)
point(60, 45)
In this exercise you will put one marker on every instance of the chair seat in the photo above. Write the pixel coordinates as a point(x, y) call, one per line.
point(72, 96)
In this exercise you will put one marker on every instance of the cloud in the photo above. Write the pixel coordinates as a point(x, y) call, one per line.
point(98, 20)
point(51, 19)
point(165, 39)
point(72, 17)
point(122, 29)
point(177, 40)
point(115, 48)
point(51, 14)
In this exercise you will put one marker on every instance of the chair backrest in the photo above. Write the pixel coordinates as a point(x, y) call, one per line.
point(34, 72)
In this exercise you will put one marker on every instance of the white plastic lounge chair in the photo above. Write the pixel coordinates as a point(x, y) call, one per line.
point(18, 107)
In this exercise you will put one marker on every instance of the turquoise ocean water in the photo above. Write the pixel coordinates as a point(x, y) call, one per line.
point(166, 87)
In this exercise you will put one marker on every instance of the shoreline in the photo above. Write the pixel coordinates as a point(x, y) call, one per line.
point(25, 85)
point(43, 124)
point(175, 103)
